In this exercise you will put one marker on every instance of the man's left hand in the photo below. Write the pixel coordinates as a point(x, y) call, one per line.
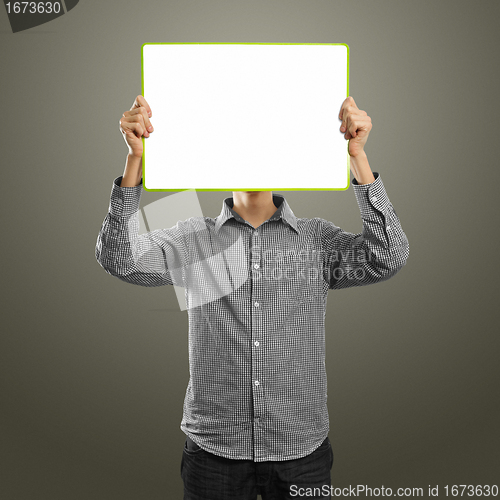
point(356, 124)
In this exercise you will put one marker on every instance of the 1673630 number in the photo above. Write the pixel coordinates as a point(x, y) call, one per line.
point(33, 7)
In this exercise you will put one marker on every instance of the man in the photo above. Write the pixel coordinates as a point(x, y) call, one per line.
point(256, 280)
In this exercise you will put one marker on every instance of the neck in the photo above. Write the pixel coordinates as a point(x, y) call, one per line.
point(254, 206)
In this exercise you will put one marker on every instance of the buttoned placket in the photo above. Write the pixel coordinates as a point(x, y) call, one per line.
point(256, 339)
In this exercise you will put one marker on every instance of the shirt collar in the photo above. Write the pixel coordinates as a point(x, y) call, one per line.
point(282, 212)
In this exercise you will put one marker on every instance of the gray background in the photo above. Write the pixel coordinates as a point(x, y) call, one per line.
point(94, 370)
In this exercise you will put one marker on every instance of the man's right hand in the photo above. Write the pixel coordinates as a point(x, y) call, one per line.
point(136, 123)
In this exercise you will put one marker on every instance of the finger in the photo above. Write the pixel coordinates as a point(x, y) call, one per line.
point(349, 101)
point(356, 117)
point(348, 110)
point(142, 110)
point(352, 127)
point(359, 123)
point(355, 123)
point(140, 101)
point(139, 118)
point(136, 128)
point(342, 108)
point(345, 117)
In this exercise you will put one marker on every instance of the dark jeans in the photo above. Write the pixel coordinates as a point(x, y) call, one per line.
point(210, 477)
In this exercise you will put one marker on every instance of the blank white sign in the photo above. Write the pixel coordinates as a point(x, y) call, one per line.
point(241, 116)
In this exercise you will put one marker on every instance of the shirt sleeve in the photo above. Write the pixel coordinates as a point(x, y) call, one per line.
point(377, 253)
point(155, 258)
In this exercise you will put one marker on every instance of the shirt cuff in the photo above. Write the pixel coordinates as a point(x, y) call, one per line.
point(371, 196)
point(124, 201)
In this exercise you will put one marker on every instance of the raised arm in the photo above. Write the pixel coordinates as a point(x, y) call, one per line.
point(156, 258)
point(381, 249)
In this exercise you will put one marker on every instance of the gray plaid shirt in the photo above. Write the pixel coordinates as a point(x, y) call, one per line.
point(256, 301)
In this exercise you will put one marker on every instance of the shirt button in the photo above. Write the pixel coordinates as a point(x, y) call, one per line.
point(119, 200)
point(256, 304)
point(388, 228)
point(374, 199)
point(257, 383)
point(257, 343)
point(115, 231)
point(256, 233)
point(256, 266)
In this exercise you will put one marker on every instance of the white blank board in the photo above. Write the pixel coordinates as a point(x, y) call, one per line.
point(245, 116)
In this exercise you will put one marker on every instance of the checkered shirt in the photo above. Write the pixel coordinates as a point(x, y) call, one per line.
point(256, 301)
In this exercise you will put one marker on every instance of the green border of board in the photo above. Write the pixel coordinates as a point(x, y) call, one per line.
point(240, 43)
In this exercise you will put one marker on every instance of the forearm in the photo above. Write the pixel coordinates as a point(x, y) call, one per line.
point(361, 169)
point(375, 254)
point(139, 259)
point(132, 174)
